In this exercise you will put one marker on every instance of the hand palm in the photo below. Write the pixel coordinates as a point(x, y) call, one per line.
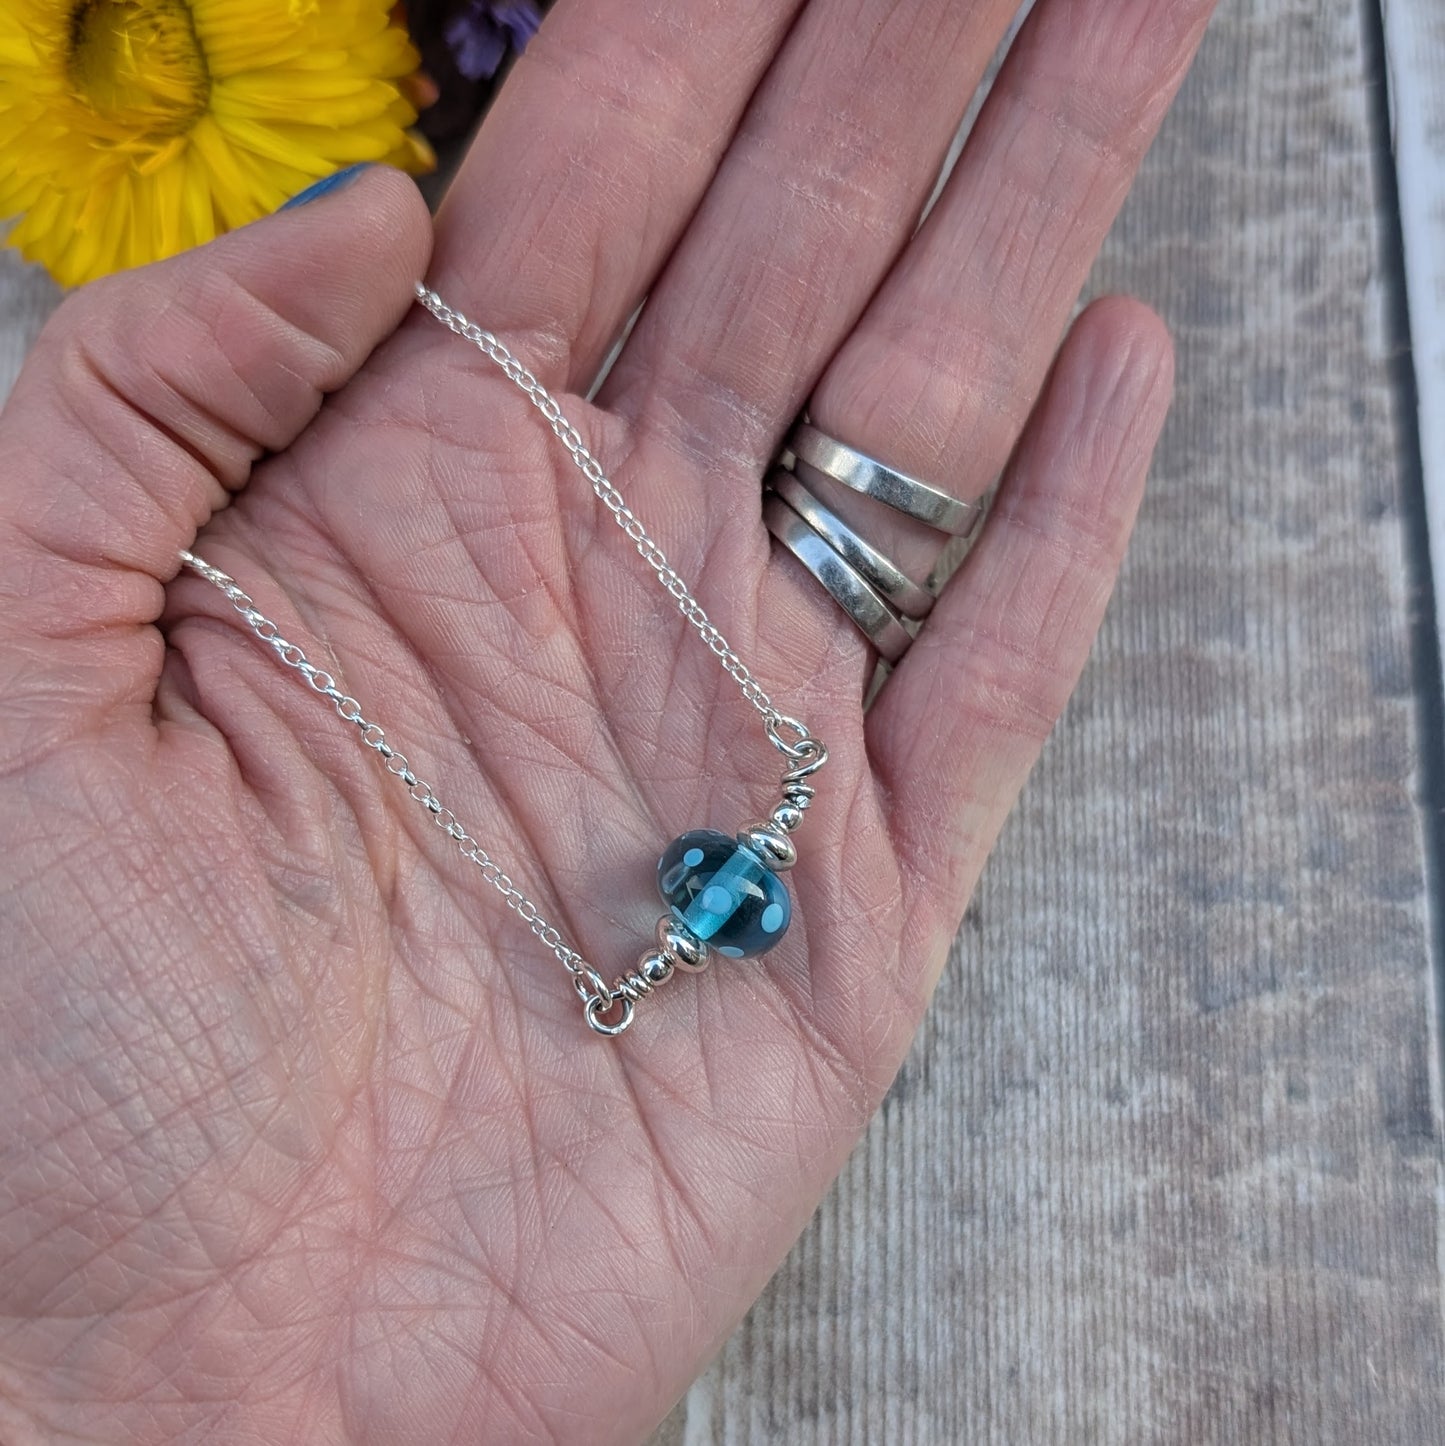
point(357, 1089)
point(310, 1112)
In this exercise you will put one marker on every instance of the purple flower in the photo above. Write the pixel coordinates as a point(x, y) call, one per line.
point(481, 32)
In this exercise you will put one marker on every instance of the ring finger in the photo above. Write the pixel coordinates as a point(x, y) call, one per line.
point(947, 364)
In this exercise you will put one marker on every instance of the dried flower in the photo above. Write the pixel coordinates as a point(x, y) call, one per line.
point(482, 31)
point(133, 129)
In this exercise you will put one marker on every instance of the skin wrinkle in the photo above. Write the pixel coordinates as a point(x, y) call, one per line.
point(647, 753)
point(973, 405)
point(302, 814)
point(230, 478)
point(70, 625)
point(837, 192)
point(140, 1220)
point(320, 367)
point(307, 881)
point(651, 159)
point(662, 1172)
point(541, 1327)
point(721, 696)
point(1029, 494)
point(300, 350)
point(226, 451)
point(97, 498)
point(159, 1124)
point(438, 1096)
point(514, 1312)
point(837, 1012)
point(672, 1202)
point(371, 786)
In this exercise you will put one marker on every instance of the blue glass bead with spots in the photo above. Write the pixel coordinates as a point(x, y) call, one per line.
point(724, 893)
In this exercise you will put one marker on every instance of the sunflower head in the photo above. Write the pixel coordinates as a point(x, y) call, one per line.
point(132, 129)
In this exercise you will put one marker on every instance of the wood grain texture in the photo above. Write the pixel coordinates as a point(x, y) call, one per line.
point(1415, 51)
point(27, 297)
point(1165, 1165)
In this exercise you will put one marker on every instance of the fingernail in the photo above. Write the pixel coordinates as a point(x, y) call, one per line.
point(336, 181)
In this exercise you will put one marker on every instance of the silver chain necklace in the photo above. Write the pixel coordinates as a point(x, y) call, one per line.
point(724, 894)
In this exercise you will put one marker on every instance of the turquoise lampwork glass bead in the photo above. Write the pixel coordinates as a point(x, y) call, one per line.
point(724, 893)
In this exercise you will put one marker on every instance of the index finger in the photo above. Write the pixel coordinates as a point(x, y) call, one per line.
point(589, 165)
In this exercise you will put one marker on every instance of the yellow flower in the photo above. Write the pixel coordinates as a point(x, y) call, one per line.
point(133, 129)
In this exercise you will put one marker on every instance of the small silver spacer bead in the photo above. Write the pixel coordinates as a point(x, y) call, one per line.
point(787, 816)
point(771, 845)
point(655, 968)
point(681, 945)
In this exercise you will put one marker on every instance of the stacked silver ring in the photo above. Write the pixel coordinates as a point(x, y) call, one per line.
point(879, 596)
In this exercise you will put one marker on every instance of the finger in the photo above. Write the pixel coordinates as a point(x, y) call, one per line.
point(146, 400)
point(963, 718)
point(589, 164)
point(946, 364)
point(821, 186)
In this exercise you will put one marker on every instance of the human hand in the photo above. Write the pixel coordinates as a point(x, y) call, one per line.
point(306, 1138)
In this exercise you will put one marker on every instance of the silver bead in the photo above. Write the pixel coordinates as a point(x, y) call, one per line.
point(787, 816)
point(655, 968)
point(771, 845)
point(680, 945)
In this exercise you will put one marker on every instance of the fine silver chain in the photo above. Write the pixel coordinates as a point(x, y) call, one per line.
point(801, 747)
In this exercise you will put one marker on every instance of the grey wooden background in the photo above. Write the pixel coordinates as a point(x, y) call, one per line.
point(1165, 1164)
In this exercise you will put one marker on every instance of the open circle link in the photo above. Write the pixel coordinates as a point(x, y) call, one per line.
point(598, 1005)
point(799, 749)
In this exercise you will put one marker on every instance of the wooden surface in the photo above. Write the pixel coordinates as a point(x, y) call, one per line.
point(1415, 65)
point(1165, 1164)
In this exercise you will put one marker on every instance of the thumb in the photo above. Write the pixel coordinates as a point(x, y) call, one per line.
point(147, 399)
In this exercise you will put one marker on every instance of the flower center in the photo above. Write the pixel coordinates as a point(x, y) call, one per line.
point(138, 64)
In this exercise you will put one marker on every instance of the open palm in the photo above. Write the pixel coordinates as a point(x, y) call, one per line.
point(305, 1136)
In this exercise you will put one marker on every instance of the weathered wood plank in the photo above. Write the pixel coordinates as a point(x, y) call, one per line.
point(1415, 45)
point(1165, 1164)
point(27, 297)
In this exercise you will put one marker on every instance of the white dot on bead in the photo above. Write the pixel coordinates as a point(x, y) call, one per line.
point(716, 900)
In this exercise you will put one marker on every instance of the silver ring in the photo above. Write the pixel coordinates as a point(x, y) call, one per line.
point(848, 587)
point(887, 578)
point(876, 479)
